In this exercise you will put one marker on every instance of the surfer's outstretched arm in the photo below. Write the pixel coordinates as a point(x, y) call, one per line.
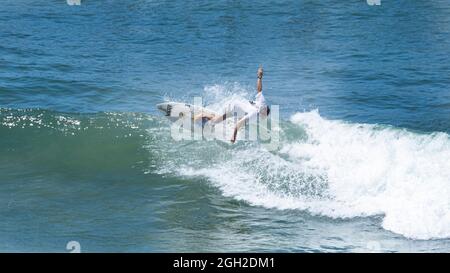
point(259, 80)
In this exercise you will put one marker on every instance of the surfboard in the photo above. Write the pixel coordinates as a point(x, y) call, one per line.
point(177, 110)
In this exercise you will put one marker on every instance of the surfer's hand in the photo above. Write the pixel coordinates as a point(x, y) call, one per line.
point(260, 72)
point(233, 138)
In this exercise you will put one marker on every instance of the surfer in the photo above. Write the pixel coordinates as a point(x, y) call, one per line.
point(251, 108)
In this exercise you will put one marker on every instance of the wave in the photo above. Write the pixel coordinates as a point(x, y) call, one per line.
point(340, 170)
point(372, 170)
point(326, 167)
point(42, 141)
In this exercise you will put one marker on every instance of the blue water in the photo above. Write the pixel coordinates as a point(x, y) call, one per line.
point(364, 100)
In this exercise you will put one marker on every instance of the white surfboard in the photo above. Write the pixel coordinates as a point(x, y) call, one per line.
point(182, 113)
point(177, 110)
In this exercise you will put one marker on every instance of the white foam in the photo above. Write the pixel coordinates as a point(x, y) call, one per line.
point(217, 96)
point(344, 170)
point(403, 175)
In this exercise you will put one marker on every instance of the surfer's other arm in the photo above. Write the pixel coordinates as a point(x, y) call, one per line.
point(237, 127)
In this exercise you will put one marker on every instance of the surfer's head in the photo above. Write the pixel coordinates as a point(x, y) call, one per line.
point(265, 111)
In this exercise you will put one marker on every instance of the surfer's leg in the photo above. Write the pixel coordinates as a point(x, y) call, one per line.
point(201, 115)
point(226, 113)
point(220, 118)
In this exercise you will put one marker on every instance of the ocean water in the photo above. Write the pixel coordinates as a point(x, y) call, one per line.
point(363, 91)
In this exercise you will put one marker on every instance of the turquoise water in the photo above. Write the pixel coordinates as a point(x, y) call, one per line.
point(363, 159)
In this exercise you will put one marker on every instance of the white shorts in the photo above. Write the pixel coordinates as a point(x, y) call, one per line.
point(242, 109)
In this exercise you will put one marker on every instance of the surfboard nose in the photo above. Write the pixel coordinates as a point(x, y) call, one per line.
point(162, 107)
